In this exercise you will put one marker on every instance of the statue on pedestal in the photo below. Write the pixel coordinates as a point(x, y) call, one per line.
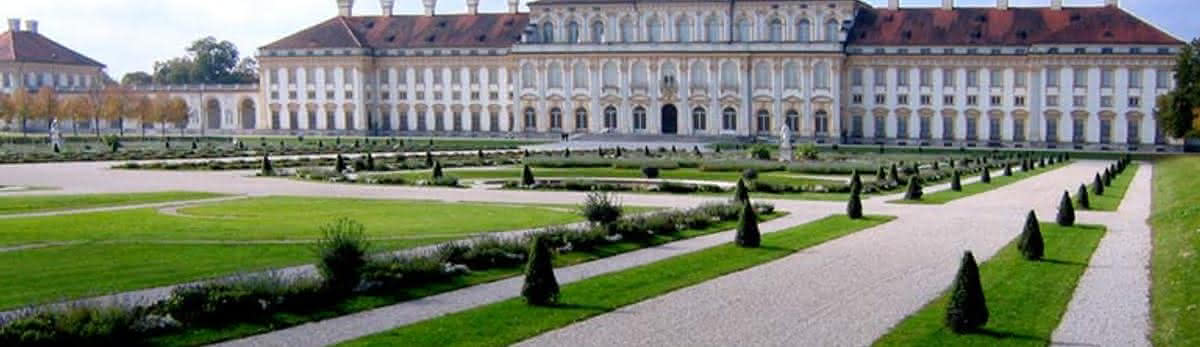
point(55, 134)
point(785, 144)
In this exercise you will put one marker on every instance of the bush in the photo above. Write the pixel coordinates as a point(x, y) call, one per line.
point(854, 207)
point(527, 177)
point(237, 299)
point(855, 183)
point(750, 174)
point(967, 309)
point(75, 326)
point(806, 151)
point(740, 165)
point(1030, 242)
point(317, 173)
point(437, 171)
point(760, 152)
point(267, 170)
point(1007, 170)
point(956, 182)
point(747, 228)
point(1066, 212)
point(444, 181)
point(1081, 197)
point(650, 172)
point(601, 208)
point(986, 177)
point(914, 189)
point(1097, 186)
point(341, 254)
point(540, 288)
point(741, 194)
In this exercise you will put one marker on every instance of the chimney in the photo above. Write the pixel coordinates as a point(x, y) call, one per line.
point(387, 6)
point(472, 7)
point(31, 26)
point(430, 5)
point(947, 5)
point(14, 24)
point(1055, 5)
point(1112, 3)
point(1001, 4)
point(345, 8)
point(513, 6)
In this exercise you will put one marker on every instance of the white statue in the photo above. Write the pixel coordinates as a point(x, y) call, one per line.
point(55, 134)
point(785, 144)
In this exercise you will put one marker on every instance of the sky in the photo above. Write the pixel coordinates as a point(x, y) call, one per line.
point(130, 35)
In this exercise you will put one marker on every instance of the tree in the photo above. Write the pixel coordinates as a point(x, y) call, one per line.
point(1081, 197)
point(138, 78)
point(7, 111)
point(747, 228)
point(541, 287)
point(117, 104)
point(855, 183)
point(914, 189)
point(77, 109)
point(1097, 186)
point(1066, 210)
point(207, 61)
point(1178, 110)
point(956, 182)
point(740, 193)
point(1030, 242)
point(177, 112)
point(854, 206)
point(986, 177)
point(142, 108)
point(342, 254)
point(601, 208)
point(967, 309)
point(527, 177)
point(22, 107)
point(428, 159)
point(880, 174)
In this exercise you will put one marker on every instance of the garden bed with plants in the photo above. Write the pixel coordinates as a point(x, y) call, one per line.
point(1028, 168)
point(353, 282)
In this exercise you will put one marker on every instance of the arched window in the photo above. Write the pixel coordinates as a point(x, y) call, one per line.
point(556, 118)
point(628, 31)
point(573, 32)
point(639, 75)
point(762, 77)
point(548, 32)
point(821, 76)
point(581, 118)
point(639, 118)
point(832, 30)
point(712, 29)
point(554, 75)
point(654, 30)
point(580, 76)
point(792, 121)
point(530, 118)
point(699, 119)
point(729, 75)
point(729, 119)
point(598, 32)
point(803, 31)
point(763, 121)
point(527, 76)
point(699, 75)
point(683, 29)
point(743, 30)
point(610, 117)
point(776, 30)
point(791, 75)
point(611, 75)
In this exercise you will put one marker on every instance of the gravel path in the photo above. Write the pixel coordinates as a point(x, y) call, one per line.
point(846, 292)
point(158, 205)
point(1111, 306)
point(369, 322)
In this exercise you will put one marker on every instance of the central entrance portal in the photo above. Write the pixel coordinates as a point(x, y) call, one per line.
point(670, 119)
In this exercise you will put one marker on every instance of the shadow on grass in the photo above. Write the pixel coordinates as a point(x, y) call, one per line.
point(582, 307)
point(1064, 262)
point(1006, 335)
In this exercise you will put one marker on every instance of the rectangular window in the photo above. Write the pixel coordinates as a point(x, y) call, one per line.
point(902, 77)
point(994, 129)
point(457, 121)
point(1051, 130)
point(1135, 101)
point(1052, 77)
point(1106, 78)
point(880, 127)
point(856, 77)
point(1019, 129)
point(925, 132)
point(947, 127)
point(902, 99)
point(1019, 101)
point(997, 78)
point(972, 128)
point(437, 76)
point(880, 99)
point(1079, 101)
point(880, 77)
point(926, 77)
point(1019, 79)
point(330, 121)
point(1162, 79)
point(973, 78)
point(1135, 78)
point(902, 127)
point(1052, 100)
point(972, 100)
point(949, 77)
point(1133, 135)
point(1080, 78)
point(996, 100)
point(926, 100)
point(1106, 101)
point(1077, 129)
point(1105, 131)
point(948, 100)
point(856, 99)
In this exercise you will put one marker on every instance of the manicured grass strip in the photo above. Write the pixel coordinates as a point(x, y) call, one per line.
point(512, 321)
point(43, 203)
point(1113, 194)
point(605, 172)
point(945, 196)
point(196, 336)
point(1175, 293)
point(1026, 299)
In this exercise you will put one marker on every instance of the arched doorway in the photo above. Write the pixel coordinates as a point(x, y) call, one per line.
point(247, 114)
point(670, 119)
point(212, 114)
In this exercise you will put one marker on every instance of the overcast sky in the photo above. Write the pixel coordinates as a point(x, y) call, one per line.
point(130, 35)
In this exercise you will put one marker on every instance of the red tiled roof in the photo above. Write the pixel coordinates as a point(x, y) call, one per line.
point(28, 46)
point(484, 30)
point(1015, 26)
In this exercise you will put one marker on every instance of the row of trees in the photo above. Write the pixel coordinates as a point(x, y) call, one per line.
point(113, 103)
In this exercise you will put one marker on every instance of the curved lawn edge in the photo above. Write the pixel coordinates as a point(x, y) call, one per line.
point(946, 196)
point(24, 204)
point(1113, 194)
point(1026, 299)
point(512, 321)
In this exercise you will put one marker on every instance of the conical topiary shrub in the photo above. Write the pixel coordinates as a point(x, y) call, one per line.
point(880, 174)
point(956, 182)
point(740, 193)
point(437, 170)
point(967, 309)
point(428, 159)
point(1008, 169)
point(914, 189)
point(541, 287)
point(339, 163)
point(854, 206)
point(1030, 243)
point(855, 183)
point(1097, 186)
point(1108, 176)
point(986, 177)
point(894, 175)
point(370, 162)
point(267, 169)
point(1066, 211)
point(566, 152)
point(747, 229)
point(527, 177)
point(1081, 197)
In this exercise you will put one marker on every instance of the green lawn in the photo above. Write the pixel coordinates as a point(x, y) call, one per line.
point(207, 335)
point(678, 174)
point(43, 203)
point(945, 196)
point(512, 321)
point(125, 250)
point(1115, 193)
point(1175, 219)
point(1026, 299)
